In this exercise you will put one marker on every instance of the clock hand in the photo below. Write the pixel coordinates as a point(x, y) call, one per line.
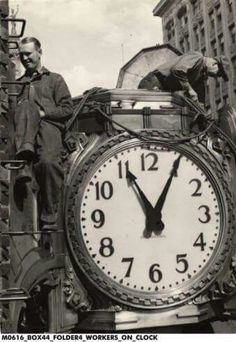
point(162, 197)
point(161, 200)
point(147, 205)
point(152, 217)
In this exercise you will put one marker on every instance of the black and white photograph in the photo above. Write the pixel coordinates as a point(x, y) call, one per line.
point(118, 170)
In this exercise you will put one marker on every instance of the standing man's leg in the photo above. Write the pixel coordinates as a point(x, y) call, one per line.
point(26, 121)
point(49, 173)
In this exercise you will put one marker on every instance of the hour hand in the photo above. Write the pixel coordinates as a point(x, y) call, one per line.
point(147, 205)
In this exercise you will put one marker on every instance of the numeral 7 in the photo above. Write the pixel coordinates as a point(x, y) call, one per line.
point(130, 260)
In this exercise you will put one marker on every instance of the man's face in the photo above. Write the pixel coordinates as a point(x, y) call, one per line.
point(30, 56)
point(212, 67)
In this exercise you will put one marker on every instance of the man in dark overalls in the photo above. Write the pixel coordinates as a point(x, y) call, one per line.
point(186, 72)
point(44, 106)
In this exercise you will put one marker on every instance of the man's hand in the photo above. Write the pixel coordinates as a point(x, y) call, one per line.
point(42, 113)
point(192, 94)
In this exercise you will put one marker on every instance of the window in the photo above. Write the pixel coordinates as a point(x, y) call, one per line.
point(232, 34)
point(213, 48)
point(170, 31)
point(211, 19)
point(218, 104)
point(202, 35)
point(226, 99)
point(181, 43)
point(196, 38)
point(234, 65)
point(221, 44)
point(207, 91)
point(195, 6)
point(182, 16)
point(229, 6)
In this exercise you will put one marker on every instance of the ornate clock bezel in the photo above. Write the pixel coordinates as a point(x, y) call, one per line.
point(198, 153)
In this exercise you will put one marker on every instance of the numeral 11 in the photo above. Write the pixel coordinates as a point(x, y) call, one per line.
point(123, 167)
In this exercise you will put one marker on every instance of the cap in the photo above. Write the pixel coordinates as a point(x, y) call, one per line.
point(223, 65)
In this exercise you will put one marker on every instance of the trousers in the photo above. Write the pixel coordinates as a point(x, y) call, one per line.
point(46, 139)
point(26, 123)
point(151, 82)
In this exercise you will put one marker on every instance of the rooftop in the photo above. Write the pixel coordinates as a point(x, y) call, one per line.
point(161, 7)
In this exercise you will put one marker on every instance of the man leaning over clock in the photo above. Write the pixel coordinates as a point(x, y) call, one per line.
point(44, 105)
point(187, 72)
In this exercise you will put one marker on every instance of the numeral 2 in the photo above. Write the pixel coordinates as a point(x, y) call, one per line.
point(198, 187)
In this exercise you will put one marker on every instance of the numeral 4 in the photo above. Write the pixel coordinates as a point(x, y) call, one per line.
point(200, 242)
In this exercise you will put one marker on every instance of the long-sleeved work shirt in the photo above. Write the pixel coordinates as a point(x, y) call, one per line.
point(183, 72)
point(50, 92)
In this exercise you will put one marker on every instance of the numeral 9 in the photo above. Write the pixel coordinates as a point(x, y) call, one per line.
point(98, 217)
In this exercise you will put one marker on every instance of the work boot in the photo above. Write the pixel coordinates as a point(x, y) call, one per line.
point(24, 176)
point(48, 226)
point(26, 152)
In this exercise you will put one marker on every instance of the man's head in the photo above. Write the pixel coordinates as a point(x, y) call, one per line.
point(217, 67)
point(30, 53)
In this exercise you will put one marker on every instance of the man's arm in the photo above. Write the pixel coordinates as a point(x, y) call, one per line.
point(62, 109)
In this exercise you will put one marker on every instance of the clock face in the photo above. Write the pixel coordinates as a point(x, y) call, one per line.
point(149, 219)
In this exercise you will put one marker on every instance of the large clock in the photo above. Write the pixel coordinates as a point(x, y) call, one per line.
point(149, 223)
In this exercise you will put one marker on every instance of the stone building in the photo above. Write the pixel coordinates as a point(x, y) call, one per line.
point(207, 26)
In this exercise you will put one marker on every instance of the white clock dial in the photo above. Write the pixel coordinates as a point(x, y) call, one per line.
point(115, 221)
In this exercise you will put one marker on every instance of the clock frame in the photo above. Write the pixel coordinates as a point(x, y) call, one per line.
point(178, 294)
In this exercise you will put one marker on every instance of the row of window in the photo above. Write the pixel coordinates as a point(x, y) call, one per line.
point(182, 18)
point(217, 39)
point(215, 23)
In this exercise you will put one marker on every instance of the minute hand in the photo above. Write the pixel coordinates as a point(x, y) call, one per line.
point(161, 200)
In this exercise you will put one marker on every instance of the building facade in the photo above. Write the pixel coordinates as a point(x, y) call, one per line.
point(208, 26)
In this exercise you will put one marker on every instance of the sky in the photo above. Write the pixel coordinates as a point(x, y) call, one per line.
point(88, 41)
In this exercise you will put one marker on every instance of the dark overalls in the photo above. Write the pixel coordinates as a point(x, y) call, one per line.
point(40, 140)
